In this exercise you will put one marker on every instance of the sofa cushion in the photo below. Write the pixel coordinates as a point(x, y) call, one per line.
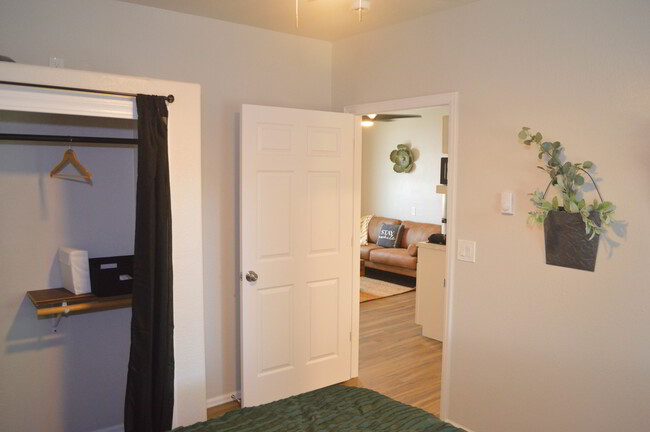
point(412, 250)
point(375, 224)
point(363, 234)
point(397, 257)
point(390, 236)
point(417, 232)
point(365, 250)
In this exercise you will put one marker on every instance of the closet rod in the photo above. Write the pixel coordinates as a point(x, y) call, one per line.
point(168, 98)
point(68, 139)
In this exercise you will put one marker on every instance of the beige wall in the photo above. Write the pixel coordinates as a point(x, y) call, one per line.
point(535, 347)
point(234, 64)
point(390, 194)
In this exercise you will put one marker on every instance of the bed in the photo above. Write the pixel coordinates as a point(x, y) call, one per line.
point(332, 409)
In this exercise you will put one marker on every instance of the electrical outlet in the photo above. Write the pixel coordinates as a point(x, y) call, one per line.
point(413, 211)
point(57, 62)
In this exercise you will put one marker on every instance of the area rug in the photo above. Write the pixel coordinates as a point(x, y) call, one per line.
point(332, 409)
point(372, 289)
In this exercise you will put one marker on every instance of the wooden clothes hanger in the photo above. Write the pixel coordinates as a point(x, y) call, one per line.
point(69, 157)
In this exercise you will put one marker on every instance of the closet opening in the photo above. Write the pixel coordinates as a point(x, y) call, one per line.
point(86, 171)
point(52, 326)
point(84, 365)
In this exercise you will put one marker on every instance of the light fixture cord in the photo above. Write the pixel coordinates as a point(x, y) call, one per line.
point(297, 15)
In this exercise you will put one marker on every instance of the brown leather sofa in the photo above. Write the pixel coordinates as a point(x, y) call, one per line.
point(402, 260)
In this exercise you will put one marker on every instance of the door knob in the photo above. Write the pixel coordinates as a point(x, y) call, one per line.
point(251, 276)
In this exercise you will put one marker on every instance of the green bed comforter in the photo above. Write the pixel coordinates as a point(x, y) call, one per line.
point(337, 409)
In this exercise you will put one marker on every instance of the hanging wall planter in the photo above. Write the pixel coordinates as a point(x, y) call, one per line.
point(566, 243)
point(571, 231)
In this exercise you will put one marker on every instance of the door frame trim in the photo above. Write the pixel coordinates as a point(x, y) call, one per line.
point(442, 99)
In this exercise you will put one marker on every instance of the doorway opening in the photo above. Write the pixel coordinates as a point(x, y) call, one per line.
point(400, 327)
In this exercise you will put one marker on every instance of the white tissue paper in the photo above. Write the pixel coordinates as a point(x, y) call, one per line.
point(74, 269)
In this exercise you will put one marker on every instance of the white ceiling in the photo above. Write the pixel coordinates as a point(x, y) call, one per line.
point(321, 19)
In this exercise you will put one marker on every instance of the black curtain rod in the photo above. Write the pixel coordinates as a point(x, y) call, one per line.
point(67, 139)
point(169, 98)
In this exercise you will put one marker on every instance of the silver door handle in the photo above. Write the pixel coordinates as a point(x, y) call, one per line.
point(251, 276)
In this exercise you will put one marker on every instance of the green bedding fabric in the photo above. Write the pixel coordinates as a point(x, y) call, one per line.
point(337, 409)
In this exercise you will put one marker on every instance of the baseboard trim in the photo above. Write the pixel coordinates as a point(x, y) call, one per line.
point(459, 425)
point(223, 399)
point(116, 428)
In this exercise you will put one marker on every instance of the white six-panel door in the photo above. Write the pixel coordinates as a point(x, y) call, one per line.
point(296, 236)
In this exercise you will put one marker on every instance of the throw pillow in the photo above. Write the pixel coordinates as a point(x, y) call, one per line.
point(363, 236)
point(390, 236)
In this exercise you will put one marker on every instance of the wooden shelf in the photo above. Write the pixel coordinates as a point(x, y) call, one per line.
point(58, 301)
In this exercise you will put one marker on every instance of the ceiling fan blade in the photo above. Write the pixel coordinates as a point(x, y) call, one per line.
point(391, 117)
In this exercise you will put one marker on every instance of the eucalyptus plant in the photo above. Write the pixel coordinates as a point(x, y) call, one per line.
point(402, 158)
point(568, 178)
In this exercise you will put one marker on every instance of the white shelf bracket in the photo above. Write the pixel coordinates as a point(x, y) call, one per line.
point(58, 317)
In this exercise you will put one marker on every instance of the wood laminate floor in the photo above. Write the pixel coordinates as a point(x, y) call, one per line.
point(220, 410)
point(394, 359)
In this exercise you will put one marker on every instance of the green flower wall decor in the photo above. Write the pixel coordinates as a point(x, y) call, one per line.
point(402, 158)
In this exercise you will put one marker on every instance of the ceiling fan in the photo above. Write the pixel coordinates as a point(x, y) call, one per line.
point(370, 119)
point(358, 6)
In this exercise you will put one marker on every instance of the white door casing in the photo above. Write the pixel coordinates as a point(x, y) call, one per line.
point(296, 235)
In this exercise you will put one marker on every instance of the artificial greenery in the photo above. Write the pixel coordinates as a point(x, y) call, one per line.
point(402, 158)
point(568, 179)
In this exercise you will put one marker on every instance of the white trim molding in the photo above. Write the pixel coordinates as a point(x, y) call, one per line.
point(442, 99)
point(356, 250)
point(466, 429)
point(223, 399)
point(53, 101)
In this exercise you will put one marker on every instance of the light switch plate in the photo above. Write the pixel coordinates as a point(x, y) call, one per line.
point(507, 203)
point(466, 250)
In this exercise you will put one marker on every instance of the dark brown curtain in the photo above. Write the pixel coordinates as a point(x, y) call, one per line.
point(150, 386)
